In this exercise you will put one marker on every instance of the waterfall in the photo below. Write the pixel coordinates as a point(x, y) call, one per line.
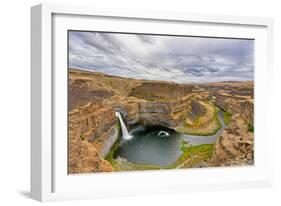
point(125, 132)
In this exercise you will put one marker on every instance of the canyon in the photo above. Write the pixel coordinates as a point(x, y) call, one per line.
point(94, 130)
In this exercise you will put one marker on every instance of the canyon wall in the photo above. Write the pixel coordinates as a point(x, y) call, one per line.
point(235, 146)
point(92, 132)
point(157, 90)
point(234, 106)
point(167, 114)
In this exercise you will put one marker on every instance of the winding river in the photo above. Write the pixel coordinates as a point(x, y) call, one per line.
point(198, 140)
point(159, 145)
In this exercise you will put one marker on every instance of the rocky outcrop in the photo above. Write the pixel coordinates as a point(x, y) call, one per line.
point(167, 114)
point(197, 110)
point(81, 94)
point(84, 158)
point(92, 120)
point(235, 146)
point(104, 143)
point(92, 132)
point(244, 107)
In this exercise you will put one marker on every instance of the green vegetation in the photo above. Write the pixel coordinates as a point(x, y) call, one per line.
point(124, 165)
point(250, 127)
point(192, 155)
point(184, 144)
point(82, 137)
point(110, 156)
point(226, 116)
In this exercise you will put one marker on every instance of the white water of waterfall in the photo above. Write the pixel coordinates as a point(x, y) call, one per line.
point(125, 132)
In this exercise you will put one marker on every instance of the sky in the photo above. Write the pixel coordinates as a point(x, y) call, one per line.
point(180, 59)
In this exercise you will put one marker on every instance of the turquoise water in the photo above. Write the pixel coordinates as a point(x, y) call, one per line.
point(156, 145)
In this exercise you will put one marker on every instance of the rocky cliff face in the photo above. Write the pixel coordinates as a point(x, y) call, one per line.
point(92, 120)
point(166, 114)
point(160, 91)
point(92, 132)
point(196, 110)
point(84, 158)
point(93, 127)
point(235, 146)
point(245, 107)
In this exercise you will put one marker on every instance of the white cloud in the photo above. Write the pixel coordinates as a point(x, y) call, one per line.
point(170, 58)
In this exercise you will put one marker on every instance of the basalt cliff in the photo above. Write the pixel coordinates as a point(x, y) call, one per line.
point(235, 146)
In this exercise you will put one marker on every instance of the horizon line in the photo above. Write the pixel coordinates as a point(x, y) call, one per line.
point(170, 81)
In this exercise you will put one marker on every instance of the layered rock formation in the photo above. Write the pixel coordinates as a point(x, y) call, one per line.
point(167, 114)
point(235, 146)
point(95, 97)
point(196, 111)
point(234, 97)
point(245, 107)
point(84, 158)
point(160, 91)
point(92, 132)
point(92, 120)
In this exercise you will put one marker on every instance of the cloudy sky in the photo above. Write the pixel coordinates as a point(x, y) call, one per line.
point(170, 58)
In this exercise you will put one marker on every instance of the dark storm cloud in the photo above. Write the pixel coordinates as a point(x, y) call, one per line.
point(179, 59)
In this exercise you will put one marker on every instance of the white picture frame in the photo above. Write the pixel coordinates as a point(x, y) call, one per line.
point(49, 179)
